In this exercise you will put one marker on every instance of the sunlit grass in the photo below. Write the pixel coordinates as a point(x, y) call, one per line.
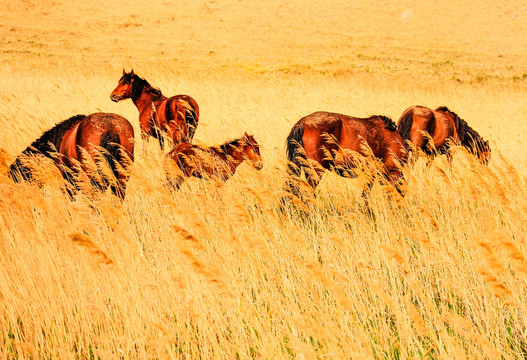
point(219, 270)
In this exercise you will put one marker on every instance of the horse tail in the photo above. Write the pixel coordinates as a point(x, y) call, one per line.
point(18, 172)
point(295, 148)
point(111, 142)
point(404, 125)
point(191, 121)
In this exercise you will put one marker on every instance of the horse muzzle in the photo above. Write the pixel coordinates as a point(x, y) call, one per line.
point(115, 97)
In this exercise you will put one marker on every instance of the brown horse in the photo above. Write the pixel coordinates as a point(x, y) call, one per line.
point(329, 141)
point(419, 124)
point(176, 116)
point(218, 161)
point(71, 142)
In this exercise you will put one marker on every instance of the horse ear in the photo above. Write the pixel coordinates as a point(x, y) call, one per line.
point(124, 71)
point(132, 72)
point(245, 135)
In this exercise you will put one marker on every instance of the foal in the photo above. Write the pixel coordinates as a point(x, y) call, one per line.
point(216, 161)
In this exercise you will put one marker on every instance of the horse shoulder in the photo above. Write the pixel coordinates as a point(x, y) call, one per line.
point(146, 119)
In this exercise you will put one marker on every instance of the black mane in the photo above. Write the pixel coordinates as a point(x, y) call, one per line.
point(49, 141)
point(224, 148)
point(467, 135)
point(138, 85)
point(388, 123)
point(47, 144)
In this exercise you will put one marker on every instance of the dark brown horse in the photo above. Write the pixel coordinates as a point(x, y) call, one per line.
point(71, 144)
point(329, 141)
point(218, 161)
point(176, 116)
point(419, 124)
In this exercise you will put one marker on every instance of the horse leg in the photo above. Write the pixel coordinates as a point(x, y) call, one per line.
point(176, 132)
point(177, 174)
point(119, 189)
point(292, 185)
point(314, 174)
point(176, 182)
point(396, 178)
point(445, 149)
point(71, 184)
point(160, 138)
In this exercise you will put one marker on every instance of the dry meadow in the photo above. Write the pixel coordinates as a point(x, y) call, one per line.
point(217, 270)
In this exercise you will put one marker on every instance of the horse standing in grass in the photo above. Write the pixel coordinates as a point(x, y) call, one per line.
point(419, 125)
point(176, 116)
point(216, 161)
point(74, 142)
point(330, 141)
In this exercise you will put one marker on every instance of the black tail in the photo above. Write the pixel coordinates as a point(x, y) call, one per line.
point(405, 125)
point(112, 144)
point(295, 148)
point(191, 121)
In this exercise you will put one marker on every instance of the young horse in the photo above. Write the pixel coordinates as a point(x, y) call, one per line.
point(177, 116)
point(220, 161)
point(329, 141)
point(442, 126)
point(70, 142)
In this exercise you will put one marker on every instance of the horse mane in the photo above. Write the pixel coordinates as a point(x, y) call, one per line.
point(467, 135)
point(225, 147)
point(388, 122)
point(140, 84)
point(50, 140)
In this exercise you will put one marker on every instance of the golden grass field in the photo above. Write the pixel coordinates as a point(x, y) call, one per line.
point(218, 271)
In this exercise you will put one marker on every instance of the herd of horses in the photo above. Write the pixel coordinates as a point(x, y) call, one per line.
point(100, 146)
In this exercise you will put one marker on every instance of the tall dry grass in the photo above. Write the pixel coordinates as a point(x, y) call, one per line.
point(218, 271)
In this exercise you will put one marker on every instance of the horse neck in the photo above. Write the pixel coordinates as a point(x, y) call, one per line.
point(142, 96)
point(144, 100)
point(225, 155)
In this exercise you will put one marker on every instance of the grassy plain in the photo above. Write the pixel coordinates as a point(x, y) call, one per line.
point(217, 271)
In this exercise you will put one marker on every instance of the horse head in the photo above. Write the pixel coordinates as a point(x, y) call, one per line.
point(250, 150)
point(124, 87)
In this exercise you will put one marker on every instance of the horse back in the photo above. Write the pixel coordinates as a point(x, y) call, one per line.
point(321, 133)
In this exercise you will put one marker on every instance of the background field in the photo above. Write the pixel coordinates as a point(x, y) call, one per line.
point(218, 271)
